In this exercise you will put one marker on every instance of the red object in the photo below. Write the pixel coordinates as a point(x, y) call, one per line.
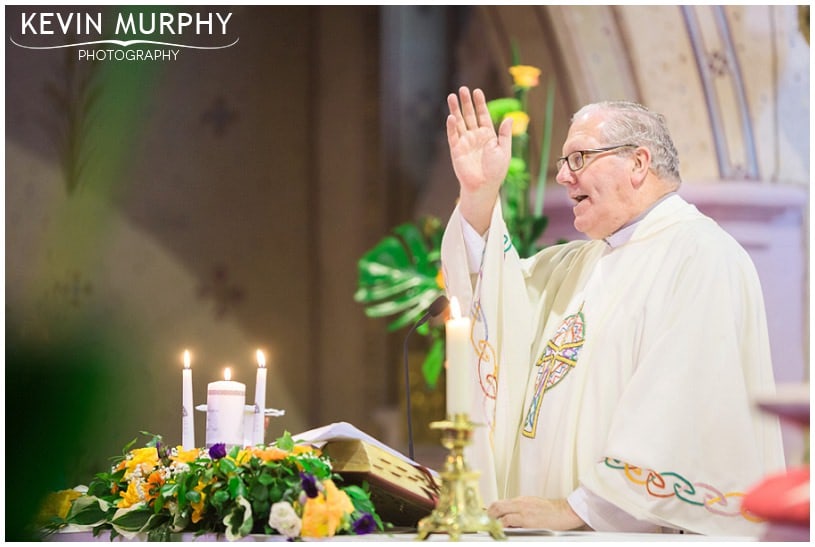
point(782, 498)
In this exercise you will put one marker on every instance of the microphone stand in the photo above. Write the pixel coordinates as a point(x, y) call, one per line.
point(438, 306)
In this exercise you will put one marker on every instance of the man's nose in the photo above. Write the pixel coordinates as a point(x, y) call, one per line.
point(564, 175)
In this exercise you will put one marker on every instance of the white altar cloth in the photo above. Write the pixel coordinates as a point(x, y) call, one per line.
point(513, 534)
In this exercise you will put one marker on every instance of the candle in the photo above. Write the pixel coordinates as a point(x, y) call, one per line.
point(457, 337)
point(225, 402)
point(187, 415)
point(259, 435)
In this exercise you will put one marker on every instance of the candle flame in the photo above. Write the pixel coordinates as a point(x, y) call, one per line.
point(227, 374)
point(455, 309)
point(261, 359)
point(187, 358)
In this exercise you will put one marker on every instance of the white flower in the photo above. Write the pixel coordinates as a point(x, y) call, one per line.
point(283, 519)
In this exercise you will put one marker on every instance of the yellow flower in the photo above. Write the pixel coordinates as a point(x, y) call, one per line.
point(199, 506)
point(57, 504)
point(131, 496)
point(146, 458)
point(185, 456)
point(520, 121)
point(306, 449)
point(271, 454)
point(323, 515)
point(440, 276)
point(243, 456)
point(525, 75)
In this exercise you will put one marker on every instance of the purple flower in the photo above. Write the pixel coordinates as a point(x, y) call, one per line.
point(163, 451)
point(309, 484)
point(217, 451)
point(364, 524)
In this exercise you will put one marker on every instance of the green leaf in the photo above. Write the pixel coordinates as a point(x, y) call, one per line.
point(433, 363)
point(220, 497)
point(226, 466)
point(384, 290)
point(398, 275)
point(236, 488)
point(88, 511)
point(259, 492)
point(239, 521)
point(285, 442)
point(500, 107)
point(193, 496)
point(132, 520)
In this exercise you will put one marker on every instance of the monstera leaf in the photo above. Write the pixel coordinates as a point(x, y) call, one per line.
point(400, 277)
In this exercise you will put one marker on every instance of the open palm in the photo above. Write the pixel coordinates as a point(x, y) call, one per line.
point(480, 156)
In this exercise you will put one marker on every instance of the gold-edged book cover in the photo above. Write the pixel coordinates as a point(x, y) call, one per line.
point(402, 492)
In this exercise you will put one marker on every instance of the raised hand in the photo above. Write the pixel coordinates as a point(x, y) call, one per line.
point(480, 156)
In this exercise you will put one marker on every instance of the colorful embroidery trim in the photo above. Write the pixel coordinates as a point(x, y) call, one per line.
point(559, 357)
point(487, 359)
point(670, 484)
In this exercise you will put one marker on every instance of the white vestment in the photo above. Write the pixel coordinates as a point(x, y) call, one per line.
point(628, 370)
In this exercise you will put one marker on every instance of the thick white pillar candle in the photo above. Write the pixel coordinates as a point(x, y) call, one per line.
point(187, 415)
point(457, 338)
point(259, 435)
point(225, 402)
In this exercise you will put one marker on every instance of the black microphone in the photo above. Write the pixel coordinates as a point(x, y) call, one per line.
point(435, 309)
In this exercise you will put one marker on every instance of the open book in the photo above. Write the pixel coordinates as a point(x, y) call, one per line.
point(402, 490)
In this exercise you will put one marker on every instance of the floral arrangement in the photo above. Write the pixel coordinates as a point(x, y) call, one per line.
point(285, 488)
point(401, 275)
point(525, 221)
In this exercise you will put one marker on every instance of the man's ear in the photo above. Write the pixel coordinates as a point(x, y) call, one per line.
point(640, 165)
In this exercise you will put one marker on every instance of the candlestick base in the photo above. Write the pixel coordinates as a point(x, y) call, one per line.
point(460, 509)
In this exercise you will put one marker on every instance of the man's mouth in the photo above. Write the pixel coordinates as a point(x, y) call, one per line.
point(579, 198)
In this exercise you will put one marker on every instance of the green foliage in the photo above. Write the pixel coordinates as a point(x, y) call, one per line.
point(400, 276)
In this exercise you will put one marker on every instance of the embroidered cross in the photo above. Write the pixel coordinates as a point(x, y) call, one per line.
point(559, 357)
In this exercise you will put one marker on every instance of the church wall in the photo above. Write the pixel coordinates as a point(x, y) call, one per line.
point(227, 196)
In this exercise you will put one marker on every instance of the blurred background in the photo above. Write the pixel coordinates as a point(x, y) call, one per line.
point(219, 202)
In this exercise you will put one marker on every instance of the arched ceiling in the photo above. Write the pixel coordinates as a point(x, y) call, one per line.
point(733, 81)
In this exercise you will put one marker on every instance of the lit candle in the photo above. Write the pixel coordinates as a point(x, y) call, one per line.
point(457, 336)
point(225, 402)
point(187, 415)
point(259, 435)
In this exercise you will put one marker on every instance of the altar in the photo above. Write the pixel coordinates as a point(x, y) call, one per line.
point(513, 534)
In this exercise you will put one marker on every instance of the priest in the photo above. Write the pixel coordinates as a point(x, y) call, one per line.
point(614, 376)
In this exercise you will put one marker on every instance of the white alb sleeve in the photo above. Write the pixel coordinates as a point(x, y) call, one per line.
point(475, 245)
point(604, 516)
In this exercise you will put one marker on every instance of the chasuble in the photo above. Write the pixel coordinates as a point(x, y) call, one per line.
point(626, 367)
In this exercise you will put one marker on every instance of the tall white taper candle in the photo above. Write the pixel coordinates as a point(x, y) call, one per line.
point(187, 413)
point(259, 435)
point(457, 337)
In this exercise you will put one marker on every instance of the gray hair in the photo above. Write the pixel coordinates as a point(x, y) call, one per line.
point(629, 122)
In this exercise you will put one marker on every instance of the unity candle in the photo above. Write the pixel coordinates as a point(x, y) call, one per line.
point(259, 434)
point(187, 417)
point(225, 402)
point(457, 337)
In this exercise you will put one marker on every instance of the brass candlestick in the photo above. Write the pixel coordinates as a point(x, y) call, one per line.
point(460, 509)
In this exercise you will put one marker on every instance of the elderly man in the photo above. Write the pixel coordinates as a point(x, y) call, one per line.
point(614, 376)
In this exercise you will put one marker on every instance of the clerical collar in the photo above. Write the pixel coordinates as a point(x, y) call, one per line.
point(623, 235)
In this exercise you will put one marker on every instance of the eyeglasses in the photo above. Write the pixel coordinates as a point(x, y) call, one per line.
point(577, 159)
